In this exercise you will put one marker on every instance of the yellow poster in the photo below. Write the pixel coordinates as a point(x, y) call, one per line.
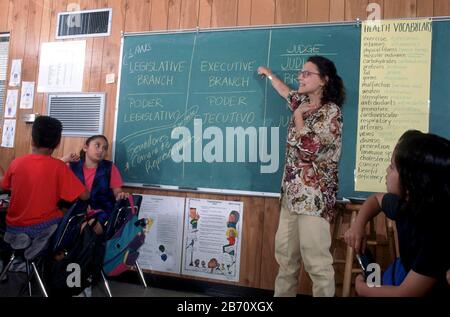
point(394, 92)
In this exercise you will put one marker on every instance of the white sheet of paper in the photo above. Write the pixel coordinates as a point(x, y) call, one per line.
point(61, 66)
point(16, 71)
point(11, 103)
point(9, 130)
point(4, 47)
point(163, 240)
point(27, 95)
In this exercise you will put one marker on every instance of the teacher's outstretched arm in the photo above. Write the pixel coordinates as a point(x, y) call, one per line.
point(277, 83)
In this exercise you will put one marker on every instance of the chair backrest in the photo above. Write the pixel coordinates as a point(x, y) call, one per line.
point(69, 227)
point(137, 202)
point(120, 214)
point(4, 203)
point(82, 247)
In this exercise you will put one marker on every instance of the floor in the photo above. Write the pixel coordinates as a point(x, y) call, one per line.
point(15, 286)
point(121, 289)
point(129, 285)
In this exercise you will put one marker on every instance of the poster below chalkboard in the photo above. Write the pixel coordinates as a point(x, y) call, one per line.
point(212, 239)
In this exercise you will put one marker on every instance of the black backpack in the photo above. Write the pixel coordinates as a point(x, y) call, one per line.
point(87, 252)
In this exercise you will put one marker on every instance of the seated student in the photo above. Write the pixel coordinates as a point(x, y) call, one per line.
point(448, 277)
point(101, 177)
point(37, 182)
point(418, 186)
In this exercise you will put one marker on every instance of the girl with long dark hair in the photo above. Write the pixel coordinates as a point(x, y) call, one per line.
point(418, 199)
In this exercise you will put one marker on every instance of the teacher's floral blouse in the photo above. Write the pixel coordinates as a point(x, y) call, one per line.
point(310, 178)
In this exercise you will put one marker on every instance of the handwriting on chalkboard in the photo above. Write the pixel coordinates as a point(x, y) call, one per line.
point(138, 50)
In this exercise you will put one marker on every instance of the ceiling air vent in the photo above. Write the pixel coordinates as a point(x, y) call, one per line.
point(80, 114)
point(87, 23)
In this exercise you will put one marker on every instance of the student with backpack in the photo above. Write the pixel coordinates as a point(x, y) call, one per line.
point(101, 177)
point(37, 182)
point(417, 198)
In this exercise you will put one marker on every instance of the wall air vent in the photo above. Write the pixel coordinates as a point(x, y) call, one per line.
point(81, 114)
point(86, 23)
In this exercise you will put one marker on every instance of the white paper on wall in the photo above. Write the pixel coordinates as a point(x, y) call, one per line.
point(212, 239)
point(163, 239)
point(16, 71)
point(27, 95)
point(11, 103)
point(9, 130)
point(61, 66)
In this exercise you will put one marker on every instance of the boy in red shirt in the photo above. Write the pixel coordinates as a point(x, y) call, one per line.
point(38, 181)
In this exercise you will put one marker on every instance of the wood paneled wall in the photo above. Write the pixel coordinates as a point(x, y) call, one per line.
point(32, 22)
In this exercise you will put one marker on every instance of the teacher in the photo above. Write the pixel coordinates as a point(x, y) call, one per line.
point(310, 178)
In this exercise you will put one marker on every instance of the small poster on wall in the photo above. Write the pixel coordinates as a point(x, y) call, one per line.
point(9, 131)
point(27, 95)
point(16, 70)
point(61, 66)
point(11, 103)
point(163, 241)
point(212, 239)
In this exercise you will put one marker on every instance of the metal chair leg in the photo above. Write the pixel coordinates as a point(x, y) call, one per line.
point(39, 280)
point(27, 265)
point(105, 282)
point(6, 269)
point(141, 274)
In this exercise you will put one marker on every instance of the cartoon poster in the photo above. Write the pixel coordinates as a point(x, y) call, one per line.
point(11, 103)
point(9, 130)
point(16, 71)
point(163, 242)
point(212, 239)
point(27, 95)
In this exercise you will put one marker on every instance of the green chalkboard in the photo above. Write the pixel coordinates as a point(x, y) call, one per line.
point(440, 77)
point(193, 113)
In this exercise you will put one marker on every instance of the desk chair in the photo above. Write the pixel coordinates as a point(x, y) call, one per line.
point(30, 263)
point(69, 230)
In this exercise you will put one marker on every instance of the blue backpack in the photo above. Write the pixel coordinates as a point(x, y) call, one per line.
point(394, 274)
point(125, 234)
